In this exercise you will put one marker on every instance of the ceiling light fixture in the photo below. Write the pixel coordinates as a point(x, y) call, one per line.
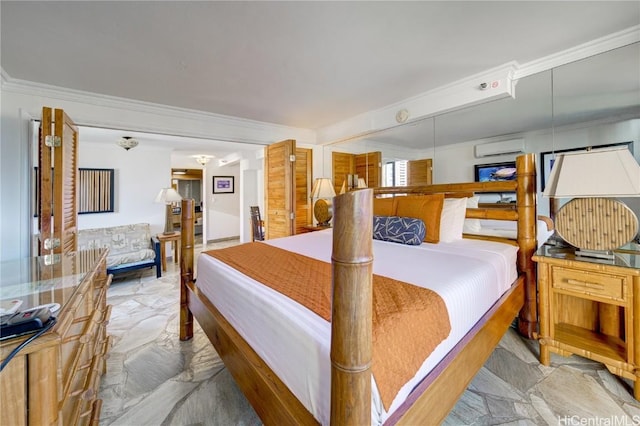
point(127, 142)
point(203, 159)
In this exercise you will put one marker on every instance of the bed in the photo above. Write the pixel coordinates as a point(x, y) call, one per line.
point(347, 397)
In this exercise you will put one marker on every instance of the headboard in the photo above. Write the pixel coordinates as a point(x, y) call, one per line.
point(525, 214)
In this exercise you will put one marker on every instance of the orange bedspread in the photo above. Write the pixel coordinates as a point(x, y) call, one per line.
point(408, 321)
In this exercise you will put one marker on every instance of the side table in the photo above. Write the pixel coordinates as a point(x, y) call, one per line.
point(591, 307)
point(174, 237)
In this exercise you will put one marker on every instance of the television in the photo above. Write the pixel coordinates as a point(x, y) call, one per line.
point(495, 172)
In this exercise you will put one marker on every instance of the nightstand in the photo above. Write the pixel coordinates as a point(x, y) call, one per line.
point(590, 307)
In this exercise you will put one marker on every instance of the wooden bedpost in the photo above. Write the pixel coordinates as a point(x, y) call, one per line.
point(186, 268)
point(351, 320)
point(527, 240)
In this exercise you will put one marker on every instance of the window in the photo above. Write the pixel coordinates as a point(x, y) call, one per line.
point(394, 173)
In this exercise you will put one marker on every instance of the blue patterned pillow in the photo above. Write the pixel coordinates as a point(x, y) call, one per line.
point(395, 229)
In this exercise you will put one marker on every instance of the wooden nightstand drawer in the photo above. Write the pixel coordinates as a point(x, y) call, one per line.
point(589, 283)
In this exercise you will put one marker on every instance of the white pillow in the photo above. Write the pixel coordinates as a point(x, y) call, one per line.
point(452, 219)
point(472, 225)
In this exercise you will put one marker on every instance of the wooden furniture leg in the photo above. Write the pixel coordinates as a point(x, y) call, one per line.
point(163, 256)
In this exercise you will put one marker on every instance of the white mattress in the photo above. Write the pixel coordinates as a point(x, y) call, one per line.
point(508, 229)
point(470, 275)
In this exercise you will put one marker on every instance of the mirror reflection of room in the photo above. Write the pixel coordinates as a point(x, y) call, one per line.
point(188, 183)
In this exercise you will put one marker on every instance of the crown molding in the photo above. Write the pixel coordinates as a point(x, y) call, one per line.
point(603, 44)
point(455, 95)
point(232, 129)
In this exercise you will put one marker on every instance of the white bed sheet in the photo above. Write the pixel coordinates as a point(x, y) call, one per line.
point(295, 342)
point(508, 229)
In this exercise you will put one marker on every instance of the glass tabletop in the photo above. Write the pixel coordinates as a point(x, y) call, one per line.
point(627, 256)
point(40, 280)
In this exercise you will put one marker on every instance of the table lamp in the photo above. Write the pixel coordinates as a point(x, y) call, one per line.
point(323, 192)
point(168, 196)
point(594, 221)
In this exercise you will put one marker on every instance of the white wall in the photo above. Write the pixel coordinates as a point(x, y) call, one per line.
point(223, 210)
point(251, 191)
point(140, 173)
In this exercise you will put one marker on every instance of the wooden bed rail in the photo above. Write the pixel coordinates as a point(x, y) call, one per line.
point(351, 313)
point(468, 187)
point(186, 267)
point(527, 240)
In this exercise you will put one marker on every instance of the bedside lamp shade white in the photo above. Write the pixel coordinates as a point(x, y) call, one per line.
point(168, 196)
point(323, 192)
point(593, 220)
point(597, 173)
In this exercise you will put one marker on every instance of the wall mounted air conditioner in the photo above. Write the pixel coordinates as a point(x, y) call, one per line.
point(512, 146)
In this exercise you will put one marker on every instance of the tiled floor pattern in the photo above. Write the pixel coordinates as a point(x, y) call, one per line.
point(154, 379)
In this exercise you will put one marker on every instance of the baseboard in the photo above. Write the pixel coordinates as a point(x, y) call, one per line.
point(219, 240)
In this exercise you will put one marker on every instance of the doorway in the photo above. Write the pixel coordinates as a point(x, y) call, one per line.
point(189, 184)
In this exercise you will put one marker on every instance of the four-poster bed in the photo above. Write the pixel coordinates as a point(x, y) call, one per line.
point(434, 395)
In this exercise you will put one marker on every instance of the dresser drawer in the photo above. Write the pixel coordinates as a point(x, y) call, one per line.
point(589, 283)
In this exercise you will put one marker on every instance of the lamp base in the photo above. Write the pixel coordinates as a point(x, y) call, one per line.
point(596, 224)
point(323, 211)
point(168, 220)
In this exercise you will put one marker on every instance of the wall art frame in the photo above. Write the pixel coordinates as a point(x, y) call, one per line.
point(223, 185)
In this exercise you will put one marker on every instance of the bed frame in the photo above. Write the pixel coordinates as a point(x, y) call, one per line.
point(435, 396)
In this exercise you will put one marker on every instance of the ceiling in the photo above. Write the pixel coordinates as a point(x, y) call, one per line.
point(300, 64)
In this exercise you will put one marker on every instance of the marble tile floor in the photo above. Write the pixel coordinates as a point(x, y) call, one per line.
point(154, 379)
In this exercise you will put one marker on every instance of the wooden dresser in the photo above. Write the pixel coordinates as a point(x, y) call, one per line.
point(591, 307)
point(55, 379)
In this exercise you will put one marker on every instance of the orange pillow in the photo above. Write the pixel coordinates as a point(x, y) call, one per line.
point(425, 207)
point(384, 206)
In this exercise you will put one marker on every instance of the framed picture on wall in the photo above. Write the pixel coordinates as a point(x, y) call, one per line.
point(223, 185)
point(547, 158)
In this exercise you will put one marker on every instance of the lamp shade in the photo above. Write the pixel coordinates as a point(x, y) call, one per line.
point(597, 173)
point(361, 183)
point(323, 188)
point(168, 195)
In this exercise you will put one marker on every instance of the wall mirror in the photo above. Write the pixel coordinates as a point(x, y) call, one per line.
point(448, 140)
point(393, 157)
point(593, 101)
point(596, 101)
